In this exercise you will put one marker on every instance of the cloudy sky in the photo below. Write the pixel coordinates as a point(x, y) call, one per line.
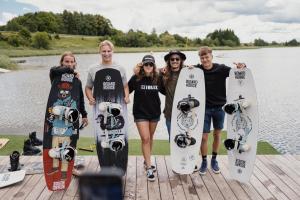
point(270, 20)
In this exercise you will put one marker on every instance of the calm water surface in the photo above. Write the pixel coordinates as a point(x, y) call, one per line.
point(24, 93)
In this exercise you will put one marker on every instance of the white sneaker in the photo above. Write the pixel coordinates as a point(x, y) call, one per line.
point(150, 175)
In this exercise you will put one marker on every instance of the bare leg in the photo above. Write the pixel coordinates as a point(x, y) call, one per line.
point(204, 145)
point(217, 139)
point(143, 128)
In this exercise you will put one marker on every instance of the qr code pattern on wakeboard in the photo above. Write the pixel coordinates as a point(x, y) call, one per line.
point(240, 163)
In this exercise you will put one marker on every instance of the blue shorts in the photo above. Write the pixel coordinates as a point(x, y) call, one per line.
point(147, 120)
point(217, 115)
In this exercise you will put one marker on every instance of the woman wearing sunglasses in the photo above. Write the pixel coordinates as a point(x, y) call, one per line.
point(146, 106)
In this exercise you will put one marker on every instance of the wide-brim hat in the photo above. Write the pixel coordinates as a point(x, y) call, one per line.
point(172, 52)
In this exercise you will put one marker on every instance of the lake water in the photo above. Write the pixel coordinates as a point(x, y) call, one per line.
point(24, 93)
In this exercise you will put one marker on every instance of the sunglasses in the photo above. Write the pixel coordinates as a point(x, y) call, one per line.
point(149, 64)
point(175, 59)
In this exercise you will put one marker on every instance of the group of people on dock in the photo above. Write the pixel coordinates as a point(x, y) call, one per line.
point(147, 82)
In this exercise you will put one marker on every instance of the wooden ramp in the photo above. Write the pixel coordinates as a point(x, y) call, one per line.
point(275, 177)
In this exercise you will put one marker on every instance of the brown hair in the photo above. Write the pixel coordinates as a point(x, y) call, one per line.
point(141, 74)
point(66, 53)
point(167, 74)
point(204, 50)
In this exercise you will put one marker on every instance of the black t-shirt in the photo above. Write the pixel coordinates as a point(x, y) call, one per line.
point(146, 103)
point(215, 84)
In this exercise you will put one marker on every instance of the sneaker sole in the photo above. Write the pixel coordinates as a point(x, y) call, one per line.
point(216, 172)
point(202, 173)
point(151, 179)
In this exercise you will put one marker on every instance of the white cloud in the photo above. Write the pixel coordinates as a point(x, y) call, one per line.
point(269, 19)
point(6, 16)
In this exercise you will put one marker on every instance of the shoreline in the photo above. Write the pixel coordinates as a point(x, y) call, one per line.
point(27, 52)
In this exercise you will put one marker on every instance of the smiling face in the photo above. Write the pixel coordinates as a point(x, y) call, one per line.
point(206, 60)
point(106, 54)
point(175, 62)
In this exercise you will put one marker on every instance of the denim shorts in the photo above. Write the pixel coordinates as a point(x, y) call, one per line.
point(147, 120)
point(217, 115)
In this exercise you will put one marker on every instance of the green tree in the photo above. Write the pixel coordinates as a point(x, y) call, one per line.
point(224, 38)
point(41, 40)
point(260, 42)
point(167, 39)
point(24, 33)
point(292, 43)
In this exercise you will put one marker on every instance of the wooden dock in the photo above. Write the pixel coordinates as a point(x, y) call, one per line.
point(274, 177)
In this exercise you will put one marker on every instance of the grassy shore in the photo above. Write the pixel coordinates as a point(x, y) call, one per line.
point(87, 45)
point(160, 147)
point(6, 63)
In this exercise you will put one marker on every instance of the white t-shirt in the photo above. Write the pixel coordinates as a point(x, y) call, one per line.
point(93, 70)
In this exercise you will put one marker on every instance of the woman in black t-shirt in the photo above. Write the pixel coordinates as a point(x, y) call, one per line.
point(146, 107)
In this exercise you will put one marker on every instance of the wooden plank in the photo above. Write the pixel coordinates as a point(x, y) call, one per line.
point(223, 185)
point(233, 184)
point(212, 188)
point(31, 184)
point(294, 163)
point(268, 183)
point(279, 178)
point(153, 187)
point(57, 195)
point(141, 180)
point(297, 157)
point(188, 187)
point(73, 187)
point(176, 185)
point(45, 194)
point(163, 179)
point(130, 189)
point(283, 169)
point(14, 189)
point(200, 187)
point(287, 166)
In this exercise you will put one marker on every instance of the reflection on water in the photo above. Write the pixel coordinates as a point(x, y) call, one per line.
point(24, 93)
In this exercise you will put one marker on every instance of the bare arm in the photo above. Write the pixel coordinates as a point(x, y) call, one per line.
point(89, 95)
point(126, 91)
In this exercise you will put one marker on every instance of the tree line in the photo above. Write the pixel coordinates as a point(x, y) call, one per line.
point(77, 23)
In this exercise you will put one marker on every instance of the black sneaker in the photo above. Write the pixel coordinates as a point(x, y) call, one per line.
point(150, 175)
point(153, 167)
point(34, 140)
point(14, 161)
point(30, 150)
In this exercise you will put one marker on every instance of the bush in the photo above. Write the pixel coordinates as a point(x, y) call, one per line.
point(14, 40)
point(3, 37)
point(24, 33)
point(56, 36)
point(41, 40)
point(6, 63)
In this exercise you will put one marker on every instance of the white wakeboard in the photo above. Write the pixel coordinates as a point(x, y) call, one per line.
point(187, 125)
point(10, 178)
point(242, 124)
